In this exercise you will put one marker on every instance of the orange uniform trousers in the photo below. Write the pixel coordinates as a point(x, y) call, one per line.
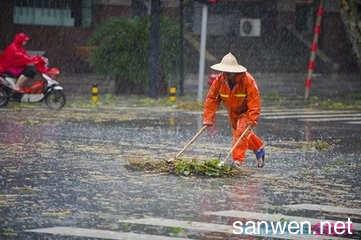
point(250, 141)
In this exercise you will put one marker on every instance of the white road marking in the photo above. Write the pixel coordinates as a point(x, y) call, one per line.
point(331, 119)
point(325, 208)
point(273, 217)
point(354, 122)
point(211, 227)
point(103, 234)
point(287, 113)
point(316, 115)
point(312, 115)
point(277, 109)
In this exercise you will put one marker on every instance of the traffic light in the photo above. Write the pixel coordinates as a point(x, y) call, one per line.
point(207, 1)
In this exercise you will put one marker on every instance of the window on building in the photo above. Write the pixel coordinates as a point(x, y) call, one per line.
point(53, 12)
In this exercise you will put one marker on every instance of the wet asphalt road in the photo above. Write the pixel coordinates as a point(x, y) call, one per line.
point(67, 168)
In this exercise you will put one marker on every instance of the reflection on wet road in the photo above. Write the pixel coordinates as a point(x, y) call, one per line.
point(67, 169)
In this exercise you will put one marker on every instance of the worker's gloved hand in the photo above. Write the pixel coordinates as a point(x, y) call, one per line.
point(212, 130)
point(242, 124)
point(208, 124)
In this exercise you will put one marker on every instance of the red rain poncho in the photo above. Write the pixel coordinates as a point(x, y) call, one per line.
point(15, 58)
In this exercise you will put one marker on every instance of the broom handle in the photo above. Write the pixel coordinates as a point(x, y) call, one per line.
point(191, 141)
point(238, 141)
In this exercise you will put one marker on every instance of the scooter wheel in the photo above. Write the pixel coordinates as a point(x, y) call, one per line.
point(4, 98)
point(55, 99)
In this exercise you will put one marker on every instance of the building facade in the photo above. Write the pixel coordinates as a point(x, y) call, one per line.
point(267, 35)
point(276, 35)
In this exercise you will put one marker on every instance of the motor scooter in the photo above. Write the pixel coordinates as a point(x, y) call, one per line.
point(44, 88)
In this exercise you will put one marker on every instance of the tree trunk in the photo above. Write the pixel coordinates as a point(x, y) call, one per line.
point(154, 50)
point(181, 48)
point(118, 85)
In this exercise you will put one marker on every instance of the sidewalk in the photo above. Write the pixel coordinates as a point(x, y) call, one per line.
point(286, 85)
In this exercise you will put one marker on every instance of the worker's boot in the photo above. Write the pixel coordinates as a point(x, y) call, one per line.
point(21, 80)
point(260, 155)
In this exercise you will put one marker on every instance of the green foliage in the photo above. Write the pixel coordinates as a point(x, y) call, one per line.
point(151, 102)
point(284, 220)
point(189, 105)
point(273, 98)
point(319, 145)
point(349, 102)
point(176, 231)
point(352, 13)
point(210, 168)
point(109, 99)
point(8, 232)
point(121, 50)
point(180, 103)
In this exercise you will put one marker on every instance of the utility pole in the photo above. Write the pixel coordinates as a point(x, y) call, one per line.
point(154, 49)
point(181, 48)
point(202, 52)
point(314, 48)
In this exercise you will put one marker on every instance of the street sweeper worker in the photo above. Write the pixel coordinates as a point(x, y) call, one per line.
point(16, 61)
point(238, 91)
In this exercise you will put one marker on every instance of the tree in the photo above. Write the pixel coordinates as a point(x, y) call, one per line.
point(121, 50)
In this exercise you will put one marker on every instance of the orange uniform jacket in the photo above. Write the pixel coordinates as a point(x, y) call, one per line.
point(242, 102)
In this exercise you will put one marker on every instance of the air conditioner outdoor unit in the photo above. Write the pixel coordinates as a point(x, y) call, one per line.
point(250, 27)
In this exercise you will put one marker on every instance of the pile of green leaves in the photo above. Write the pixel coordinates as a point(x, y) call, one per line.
point(210, 168)
point(184, 167)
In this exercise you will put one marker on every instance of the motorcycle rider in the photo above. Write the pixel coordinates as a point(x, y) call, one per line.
point(17, 62)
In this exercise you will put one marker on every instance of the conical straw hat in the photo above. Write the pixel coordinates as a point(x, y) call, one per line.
point(229, 64)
